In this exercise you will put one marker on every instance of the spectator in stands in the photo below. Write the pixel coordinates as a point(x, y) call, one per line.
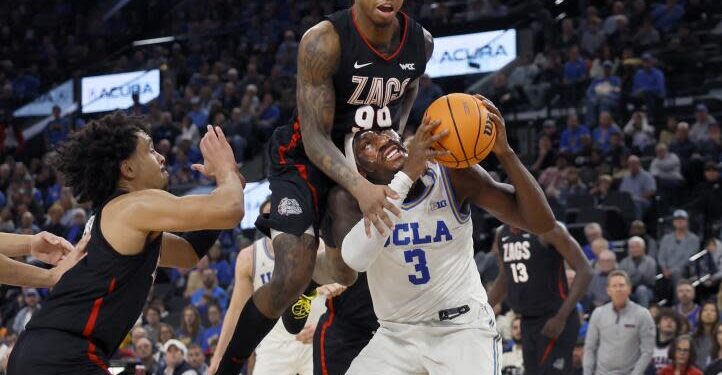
point(711, 147)
point(568, 37)
point(570, 140)
point(642, 271)
point(639, 131)
point(592, 36)
point(145, 355)
point(195, 278)
point(610, 23)
point(668, 328)
point(152, 322)
point(57, 130)
point(666, 17)
point(592, 232)
point(31, 298)
point(703, 336)
point(617, 154)
point(667, 168)
point(667, 134)
point(190, 330)
point(603, 94)
point(75, 231)
point(627, 348)
point(683, 355)
point(546, 155)
point(500, 93)
point(573, 185)
point(647, 37)
point(639, 229)
point(188, 130)
point(597, 292)
point(217, 262)
point(574, 75)
point(639, 184)
point(165, 333)
point(210, 292)
point(198, 116)
point(175, 359)
point(602, 133)
point(53, 225)
point(553, 178)
point(715, 365)
point(648, 87)
point(601, 189)
point(700, 129)
point(707, 197)
point(521, 82)
point(166, 129)
point(267, 116)
point(197, 359)
point(686, 306)
point(676, 247)
point(213, 331)
point(513, 357)
point(27, 224)
point(681, 145)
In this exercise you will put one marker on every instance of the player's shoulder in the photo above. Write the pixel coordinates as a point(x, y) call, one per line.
point(244, 261)
point(323, 31)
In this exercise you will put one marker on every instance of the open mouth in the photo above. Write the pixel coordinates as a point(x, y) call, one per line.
point(385, 8)
point(392, 152)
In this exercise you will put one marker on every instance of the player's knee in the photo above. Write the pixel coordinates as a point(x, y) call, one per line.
point(295, 259)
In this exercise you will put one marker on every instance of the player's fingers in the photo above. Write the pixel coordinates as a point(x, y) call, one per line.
point(219, 133)
point(367, 226)
point(496, 119)
point(491, 107)
point(83, 243)
point(199, 168)
point(439, 136)
point(378, 224)
point(65, 246)
point(391, 193)
point(392, 208)
point(433, 154)
point(387, 220)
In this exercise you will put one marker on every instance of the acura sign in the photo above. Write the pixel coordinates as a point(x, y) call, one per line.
point(114, 91)
point(472, 53)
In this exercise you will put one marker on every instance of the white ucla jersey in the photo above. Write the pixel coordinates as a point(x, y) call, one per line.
point(427, 264)
point(263, 262)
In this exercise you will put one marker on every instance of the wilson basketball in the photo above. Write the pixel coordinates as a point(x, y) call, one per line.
point(471, 132)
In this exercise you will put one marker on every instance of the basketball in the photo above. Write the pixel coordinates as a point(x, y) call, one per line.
point(471, 132)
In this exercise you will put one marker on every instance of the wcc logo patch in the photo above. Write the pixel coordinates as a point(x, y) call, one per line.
point(288, 207)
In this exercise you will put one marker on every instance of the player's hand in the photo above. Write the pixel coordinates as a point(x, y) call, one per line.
point(554, 327)
point(419, 148)
point(331, 290)
point(213, 366)
point(49, 248)
point(217, 153)
point(306, 335)
point(373, 201)
point(501, 145)
point(70, 260)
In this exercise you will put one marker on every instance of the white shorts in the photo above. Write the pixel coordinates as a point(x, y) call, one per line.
point(399, 349)
point(283, 358)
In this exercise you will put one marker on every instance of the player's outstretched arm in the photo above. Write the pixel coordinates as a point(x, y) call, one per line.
point(44, 246)
point(17, 273)
point(521, 204)
point(159, 211)
point(242, 291)
point(498, 290)
point(568, 247)
point(318, 56)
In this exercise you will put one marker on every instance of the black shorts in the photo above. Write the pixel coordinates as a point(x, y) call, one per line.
point(53, 352)
point(336, 344)
point(298, 187)
point(545, 356)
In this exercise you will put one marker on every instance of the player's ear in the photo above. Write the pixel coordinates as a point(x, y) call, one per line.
point(127, 169)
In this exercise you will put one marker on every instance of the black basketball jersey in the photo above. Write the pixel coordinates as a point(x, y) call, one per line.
point(369, 85)
point(354, 307)
point(102, 296)
point(535, 274)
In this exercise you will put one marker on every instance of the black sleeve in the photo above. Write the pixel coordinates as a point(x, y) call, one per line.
point(201, 240)
point(295, 317)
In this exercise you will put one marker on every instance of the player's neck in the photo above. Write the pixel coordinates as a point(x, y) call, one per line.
point(380, 37)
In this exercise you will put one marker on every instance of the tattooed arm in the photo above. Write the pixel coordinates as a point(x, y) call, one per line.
point(318, 58)
point(413, 89)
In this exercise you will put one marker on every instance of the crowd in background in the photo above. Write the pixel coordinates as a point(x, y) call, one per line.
point(639, 181)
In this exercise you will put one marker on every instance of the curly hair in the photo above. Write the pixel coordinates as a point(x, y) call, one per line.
point(90, 159)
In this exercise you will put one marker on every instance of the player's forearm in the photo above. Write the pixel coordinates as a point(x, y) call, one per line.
point(407, 104)
point(227, 197)
point(238, 300)
point(21, 274)
point(576, 292)
point(530, 198)
point(14, 245)
point(497, 293)
point(359, 251)
point(329, 159)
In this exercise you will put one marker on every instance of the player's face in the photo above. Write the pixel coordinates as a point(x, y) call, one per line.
point(380, 12)
point(148, 165)
point(380, 154)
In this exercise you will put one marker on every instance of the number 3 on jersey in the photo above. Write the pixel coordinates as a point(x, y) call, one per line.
point(418, 258)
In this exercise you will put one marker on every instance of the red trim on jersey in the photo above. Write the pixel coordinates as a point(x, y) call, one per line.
point(90, 326)
point(326, 325)
point(548, 350)
point(562, 291)
point(374, 50)
point(283, 149)
point(303, 172)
